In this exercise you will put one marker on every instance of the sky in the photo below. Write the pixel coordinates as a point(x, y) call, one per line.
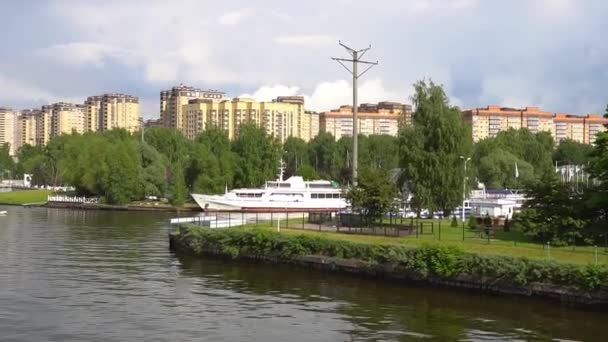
point(547, 53)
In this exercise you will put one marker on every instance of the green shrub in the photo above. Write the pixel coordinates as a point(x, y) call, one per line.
point(429, 260)
point(454, 222)
point(472, 222)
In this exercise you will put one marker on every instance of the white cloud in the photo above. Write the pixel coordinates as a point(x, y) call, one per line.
point(315, 41)
point(268, 93)
point(332, 94)
point(234, 17)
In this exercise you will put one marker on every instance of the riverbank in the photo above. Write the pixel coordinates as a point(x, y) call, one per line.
point(427, 264)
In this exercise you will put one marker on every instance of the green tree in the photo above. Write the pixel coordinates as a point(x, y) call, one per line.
point(154, 172)
point(169, 142)
point(374, 194)
point(552, 212)
point(534, 149)
point(430, 150)
point(322, 154)
point(179, 192)
point(497, 170)
point(258, 156)
point(307, 172)
point(219, 145)
point(597, 196)
point(6, 161)
point(122, 180)
point(204, 172)
point(295, 155)
point(572, 152)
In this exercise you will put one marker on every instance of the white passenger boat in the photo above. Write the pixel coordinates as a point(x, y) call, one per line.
point(292, 194)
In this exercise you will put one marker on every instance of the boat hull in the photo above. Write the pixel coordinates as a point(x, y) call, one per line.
point(218, 203)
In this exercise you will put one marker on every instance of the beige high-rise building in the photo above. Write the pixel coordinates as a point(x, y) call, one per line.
point(381, 118)
point(26, 131)
point(8, 128)
point(489, 121)
point(281, 118)
point(92, 113)
point(43, 125)
point(594, 124)
point(119, 111)
point(172, 102)
point(67, 118)
point(569, 127)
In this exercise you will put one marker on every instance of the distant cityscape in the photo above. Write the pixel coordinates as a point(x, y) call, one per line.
point(192, 110)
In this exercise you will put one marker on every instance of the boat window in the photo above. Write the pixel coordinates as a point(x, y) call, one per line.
point(320, 186)
point(284, 185)
point(314, 195)
point(336, 195)
point(293, 194)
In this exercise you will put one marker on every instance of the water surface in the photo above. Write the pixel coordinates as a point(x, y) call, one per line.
point(70, 275)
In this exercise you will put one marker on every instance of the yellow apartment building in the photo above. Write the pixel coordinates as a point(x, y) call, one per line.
point(173, 101)
point(569, 127)
point(488, 122)
point(119, 111)
point(26, 132)
point(91, 115)
point(43, 125)
point(594, 124)
point(67, 118)
point(281, 118)
point(8, 125)
point(382, 118)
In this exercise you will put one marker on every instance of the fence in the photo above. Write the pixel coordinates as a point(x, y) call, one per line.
point(73, 199)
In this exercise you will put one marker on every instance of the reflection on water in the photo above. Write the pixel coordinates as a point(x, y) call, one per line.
point(88, 275)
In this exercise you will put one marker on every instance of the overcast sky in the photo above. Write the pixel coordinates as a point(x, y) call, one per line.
point(548, 53)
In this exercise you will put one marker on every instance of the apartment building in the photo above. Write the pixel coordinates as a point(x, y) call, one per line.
point(92, 113)
point(172, 102)
point(108, 111)
point(381, 118)
point(569, 127)
point(67, 118)
point(43, 125)
point(594, 124)
point(8, 128)
point(26, 127)
point(488, 122)
point(281, 118)
point(119, 111)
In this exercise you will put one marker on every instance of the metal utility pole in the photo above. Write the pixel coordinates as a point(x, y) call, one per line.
point(356, 59)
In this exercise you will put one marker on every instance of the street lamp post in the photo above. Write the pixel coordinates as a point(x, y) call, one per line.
point(464, 184)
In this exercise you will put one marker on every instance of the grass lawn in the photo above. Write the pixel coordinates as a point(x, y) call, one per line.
point(24, 196)
point(502, 243)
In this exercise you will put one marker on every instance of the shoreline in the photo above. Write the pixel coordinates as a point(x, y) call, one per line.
point(90, 206)
point(595, 299)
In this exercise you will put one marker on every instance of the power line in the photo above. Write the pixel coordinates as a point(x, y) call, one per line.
point(356, 59)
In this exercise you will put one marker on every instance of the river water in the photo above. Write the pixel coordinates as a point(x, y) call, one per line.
point(70, 275)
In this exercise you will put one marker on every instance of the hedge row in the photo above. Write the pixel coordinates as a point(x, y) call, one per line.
point(426, 261)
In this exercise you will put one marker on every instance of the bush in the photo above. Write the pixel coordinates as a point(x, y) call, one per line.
point(487, 221)
point(454, 222)
point(429, 260)
point(472, 222)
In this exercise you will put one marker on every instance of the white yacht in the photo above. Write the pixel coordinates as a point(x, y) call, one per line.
point(292, 194)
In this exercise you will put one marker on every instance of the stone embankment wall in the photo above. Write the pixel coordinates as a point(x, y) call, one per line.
point(596, 298)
